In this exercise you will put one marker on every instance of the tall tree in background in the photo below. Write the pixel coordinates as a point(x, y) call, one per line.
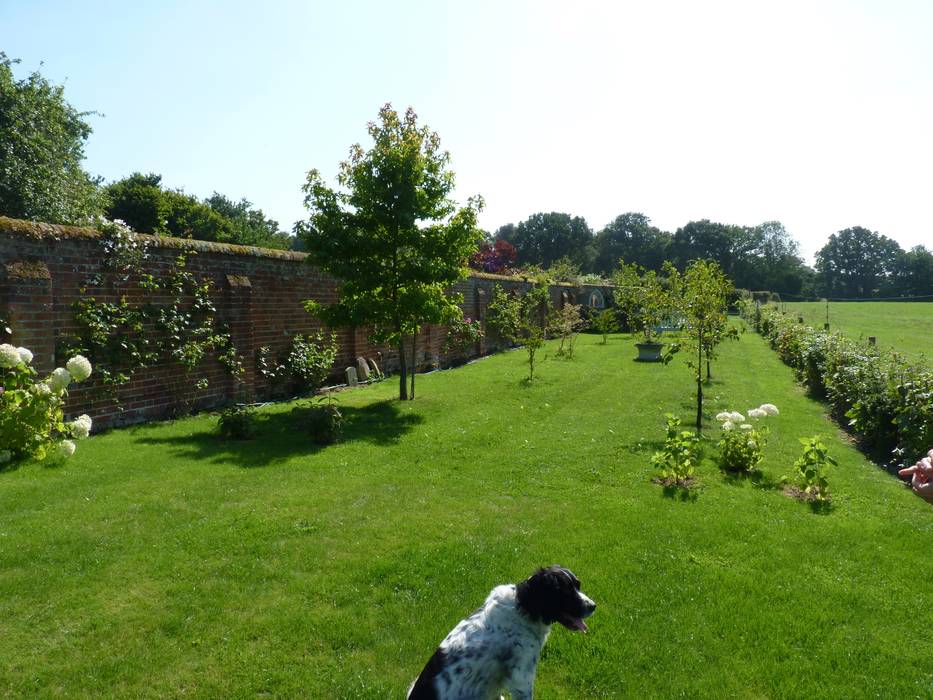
point(41, 148)
point(856, 263)
point(630, 237)
point(704, 240)
point(146, 206)
point(913, 273)
point(391, 234)
point(542, 239)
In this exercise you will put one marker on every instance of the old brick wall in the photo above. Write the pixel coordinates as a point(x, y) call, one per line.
point(258, 294)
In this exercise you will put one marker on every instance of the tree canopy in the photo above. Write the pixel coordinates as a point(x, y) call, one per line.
point(856, 263)
point(542, 239)
point(41, 149)
point(391, 234)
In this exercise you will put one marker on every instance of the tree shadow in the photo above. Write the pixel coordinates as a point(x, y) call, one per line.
point(644, 446)
point(684, 494)
point(281, 436)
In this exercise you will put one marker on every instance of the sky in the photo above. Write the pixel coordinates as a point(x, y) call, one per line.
point(818, 114)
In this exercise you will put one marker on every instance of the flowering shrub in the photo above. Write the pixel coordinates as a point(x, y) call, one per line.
point(741, 446)
point(886, 401)
point(237, 422)
point(676, 462)
point(462, 333)
point(31, 419)
point(311, 358)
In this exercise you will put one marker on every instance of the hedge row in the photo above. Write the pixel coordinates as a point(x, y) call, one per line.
point(884, 399)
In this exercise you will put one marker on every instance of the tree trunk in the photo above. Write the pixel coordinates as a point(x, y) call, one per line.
point(700, 386)
point(707, 368)
point(403, 374)
point(414, 355)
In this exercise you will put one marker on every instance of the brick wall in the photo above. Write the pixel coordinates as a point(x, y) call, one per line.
point(258, 293)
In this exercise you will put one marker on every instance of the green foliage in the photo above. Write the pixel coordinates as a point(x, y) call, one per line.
point(463, 333)
point(391, 234)
point(324, 421)
point(311, 359)
point(545, 238)
point(41, 148)
point(742, 450)
point(856, 262)
point(884, 398)
point(630, 236)
point(644, 298)
point(31, 411)
point(520, 319)
point(237, 422)
point(811, 468)
point(175, 319)
point(142, 203)
point(606, 322)
point(677, 461)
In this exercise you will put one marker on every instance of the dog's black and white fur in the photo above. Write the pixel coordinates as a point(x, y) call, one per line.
point(497, 647)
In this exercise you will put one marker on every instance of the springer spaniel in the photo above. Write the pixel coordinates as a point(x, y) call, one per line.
point(498, 645)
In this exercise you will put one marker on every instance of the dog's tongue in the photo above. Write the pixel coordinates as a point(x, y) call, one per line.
point(574, 623)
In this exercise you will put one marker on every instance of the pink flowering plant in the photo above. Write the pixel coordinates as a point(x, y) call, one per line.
point(742, 443)
point(31, 420)
point(462, 333)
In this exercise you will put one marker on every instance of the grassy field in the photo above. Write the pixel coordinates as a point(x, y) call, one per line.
point(906, 327)
point(161, 561)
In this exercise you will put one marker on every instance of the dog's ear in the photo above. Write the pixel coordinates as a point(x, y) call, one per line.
point(539, 595)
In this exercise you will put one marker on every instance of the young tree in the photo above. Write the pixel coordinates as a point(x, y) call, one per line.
point(643, 298)
point(41, 148)
point(520, 320)
point(703, 294)
point(391, 234)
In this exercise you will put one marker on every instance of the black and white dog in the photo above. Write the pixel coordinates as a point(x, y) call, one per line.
point(498, 646)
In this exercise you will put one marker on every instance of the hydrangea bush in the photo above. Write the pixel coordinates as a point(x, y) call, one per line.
point(742, 444)
point(31, 419)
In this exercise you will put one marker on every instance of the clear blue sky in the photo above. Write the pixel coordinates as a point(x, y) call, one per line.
point(819, 114)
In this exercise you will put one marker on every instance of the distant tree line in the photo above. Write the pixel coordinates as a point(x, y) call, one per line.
point(41, 177)
point(855, 262)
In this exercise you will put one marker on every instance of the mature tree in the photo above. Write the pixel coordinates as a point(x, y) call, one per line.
point(542, 239)
point(41, 148)
point(704, 240)
point(856, 263)
point(250, 226)
point(497, 256)
point(142, 202)
point(138, 201)
point(767, 257)
point(630, 237)
point(391, 234)
point(913, 273)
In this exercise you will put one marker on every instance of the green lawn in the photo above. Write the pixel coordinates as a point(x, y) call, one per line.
point(906, 327)
point(163, 562)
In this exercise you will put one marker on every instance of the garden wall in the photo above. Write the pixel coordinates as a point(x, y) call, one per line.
point(257, 293)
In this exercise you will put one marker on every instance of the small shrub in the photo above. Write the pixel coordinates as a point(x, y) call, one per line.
point(676, 462)
point(462, 333)
point(311, 358)
point(810, 469)
point(325, 421)
point(606, 322)
point(237, 422)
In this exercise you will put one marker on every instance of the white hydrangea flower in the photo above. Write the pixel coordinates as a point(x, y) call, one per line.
point(769, 408)
point(59, 380)
point(5, 456)
point(79, 367)
point(66, 448)
point(756, 413)
point(746, 426)
point(725, 415)
point(728, 425)
point(42, 389)
point(81, 426)
point(9, 356)
point(25, 354)
point(736, 417)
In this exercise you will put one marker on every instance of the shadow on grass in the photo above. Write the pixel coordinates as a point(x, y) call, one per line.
point(680, 493)
point(755, 478)
point(283, 435)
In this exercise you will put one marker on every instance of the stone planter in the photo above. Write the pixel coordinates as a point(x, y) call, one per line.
point(649, 352)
